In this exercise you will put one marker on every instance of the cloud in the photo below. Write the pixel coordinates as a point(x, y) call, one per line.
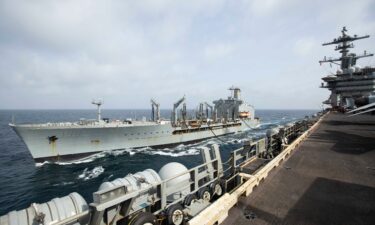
point(218, 50)
point(304, 46)
point(61, 54)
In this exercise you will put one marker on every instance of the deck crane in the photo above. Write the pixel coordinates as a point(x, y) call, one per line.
point(208, 106)
point(174, 112)
point(155, 113)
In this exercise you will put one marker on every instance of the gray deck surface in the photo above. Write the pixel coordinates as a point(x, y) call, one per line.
point(329, 179)
point(255, 165)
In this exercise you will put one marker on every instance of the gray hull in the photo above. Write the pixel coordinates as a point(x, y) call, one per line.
point(69, 142)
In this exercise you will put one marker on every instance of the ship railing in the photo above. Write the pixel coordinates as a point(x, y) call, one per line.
point(51, 124)
point(255, 155)
point(249, 152)
point(108, 201)
point(82, 123)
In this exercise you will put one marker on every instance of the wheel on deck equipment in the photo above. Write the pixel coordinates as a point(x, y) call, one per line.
point(216, 189)
point(143, 218)
point(204, 193)
point(189, 199)
point(175, 215)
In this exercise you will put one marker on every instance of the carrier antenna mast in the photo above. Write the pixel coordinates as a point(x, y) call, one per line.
point(343, 44)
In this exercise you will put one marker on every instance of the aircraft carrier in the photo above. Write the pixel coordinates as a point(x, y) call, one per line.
point(329, 179)
point(67, 141)
point(319, 170)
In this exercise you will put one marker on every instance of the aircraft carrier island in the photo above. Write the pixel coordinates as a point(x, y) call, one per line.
point(318, 170)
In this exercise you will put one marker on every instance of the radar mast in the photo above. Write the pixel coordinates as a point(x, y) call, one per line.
point(344, 42)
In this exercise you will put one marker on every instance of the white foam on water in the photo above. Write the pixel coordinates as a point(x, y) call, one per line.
point(63, 183)
point(237, 141)
point(131, 152)
point(90, 174)
point(42, 164)
point(84, 160)
point(117, 152)
point(211, 142)
point(180, 150)
point(180, 146)
point(191, 151)
point(93, 157)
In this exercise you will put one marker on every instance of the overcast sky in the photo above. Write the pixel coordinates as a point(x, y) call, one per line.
point(62, 54)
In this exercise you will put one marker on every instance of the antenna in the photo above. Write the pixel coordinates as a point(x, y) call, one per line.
point(98, 103)
point(344, 43)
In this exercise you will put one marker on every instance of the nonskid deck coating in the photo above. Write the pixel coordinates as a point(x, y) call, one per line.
point(329, 179)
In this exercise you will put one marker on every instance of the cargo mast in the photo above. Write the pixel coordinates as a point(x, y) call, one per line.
point(98, 103)
point(155, 113)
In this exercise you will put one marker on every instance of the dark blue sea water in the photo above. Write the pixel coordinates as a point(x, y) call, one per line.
point(23, 182)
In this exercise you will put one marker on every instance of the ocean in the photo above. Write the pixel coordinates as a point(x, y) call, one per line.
point(23, 182)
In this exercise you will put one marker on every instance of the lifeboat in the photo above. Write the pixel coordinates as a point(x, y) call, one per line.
point(244, 114)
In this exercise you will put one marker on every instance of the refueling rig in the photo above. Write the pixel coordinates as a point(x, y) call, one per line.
point(226, 111)
point(174, 195)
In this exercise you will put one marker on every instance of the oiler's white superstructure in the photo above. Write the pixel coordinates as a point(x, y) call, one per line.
point(64, 141)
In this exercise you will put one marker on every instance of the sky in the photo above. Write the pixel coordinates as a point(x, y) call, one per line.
point(64, 54)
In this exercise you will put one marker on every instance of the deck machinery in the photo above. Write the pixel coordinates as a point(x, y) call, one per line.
point(232, 109)
point(351, 86)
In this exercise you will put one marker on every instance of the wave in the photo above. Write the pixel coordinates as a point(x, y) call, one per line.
point(80, 161)
point(176, 154)
point(43, 163)
point(63, 183)
point(87, 159)
point(173, 152)
point(236, 141)
point(90, 174)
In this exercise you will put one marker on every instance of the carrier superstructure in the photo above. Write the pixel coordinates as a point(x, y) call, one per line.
point(351, 86)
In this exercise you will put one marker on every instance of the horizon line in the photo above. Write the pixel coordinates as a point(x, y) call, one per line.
point(94, 109)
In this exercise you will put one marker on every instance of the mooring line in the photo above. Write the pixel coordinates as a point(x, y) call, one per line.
point(210, 128)
point(246, 123)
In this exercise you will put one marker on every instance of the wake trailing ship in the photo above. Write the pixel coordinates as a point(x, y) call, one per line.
point(71, 140)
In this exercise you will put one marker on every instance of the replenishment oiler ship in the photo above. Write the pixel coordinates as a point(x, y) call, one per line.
point(71, 140)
